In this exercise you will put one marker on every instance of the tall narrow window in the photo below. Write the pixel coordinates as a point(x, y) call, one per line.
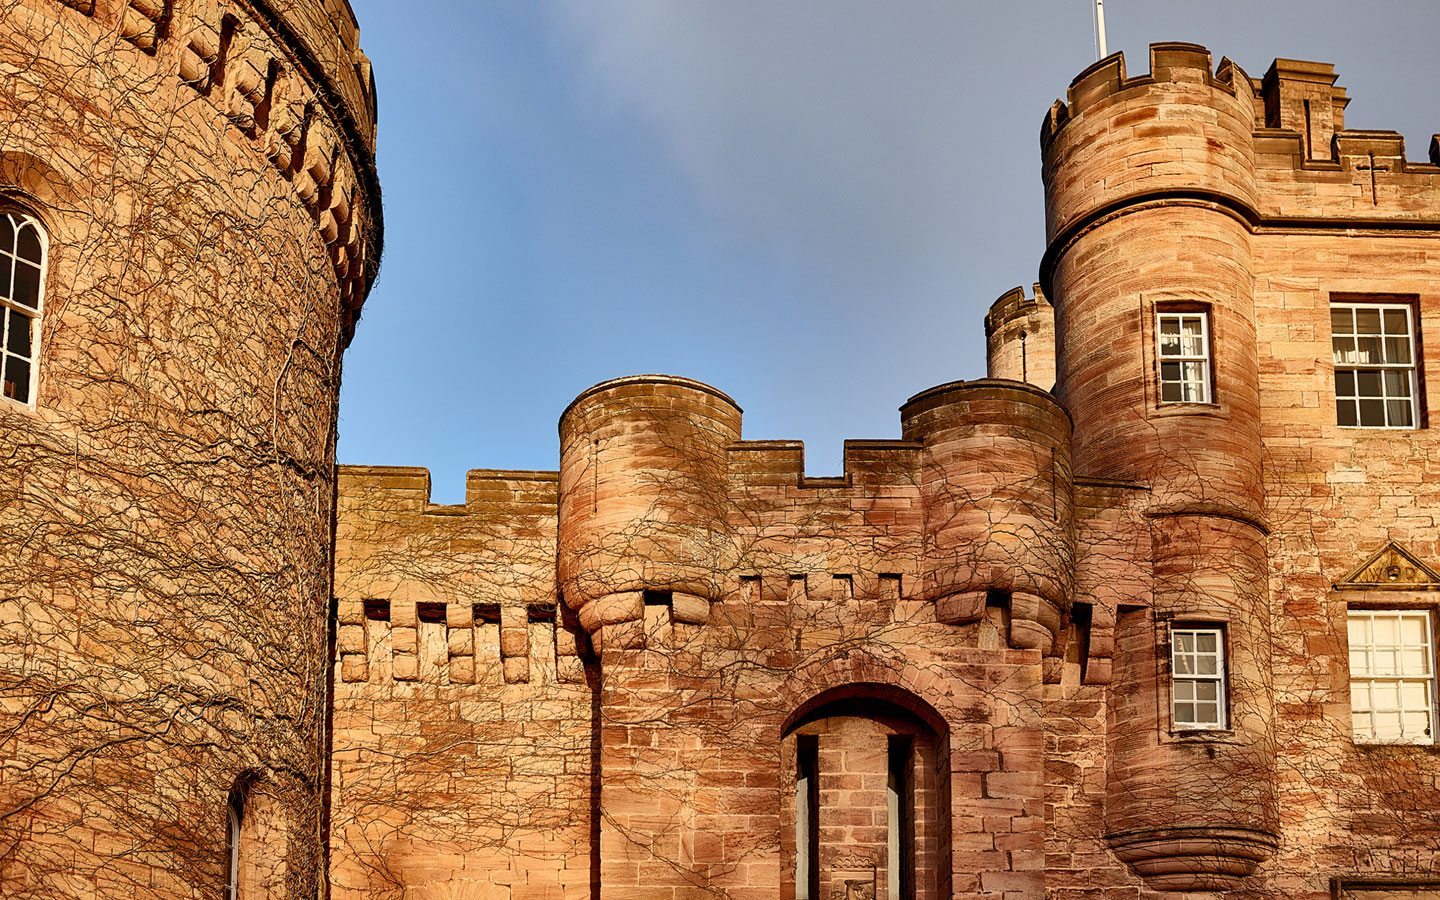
point(1392, 676)
point(22, 284)
point(1184, 353)
point(1375, 378)
point(234, 813)
point(807, 817)
point(1197, 673)
point(900, 831)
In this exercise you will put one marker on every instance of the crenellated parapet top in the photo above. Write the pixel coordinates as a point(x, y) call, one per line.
point(660, 501)
point(288, 78)
point(1107, 80)
point(1013, 305)
point(1273, 150)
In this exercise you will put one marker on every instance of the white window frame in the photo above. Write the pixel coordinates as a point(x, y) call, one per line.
point(1183, 673)
point(1355, 366)
point(1181, 357)
point(1368, 671)
point(234, 820)
point(19, 220)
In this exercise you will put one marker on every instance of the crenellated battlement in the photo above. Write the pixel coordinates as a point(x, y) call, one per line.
point(1014, 304)
point(1174, 64)
point(658, 492)
point(289, 80)
point(1273, 150)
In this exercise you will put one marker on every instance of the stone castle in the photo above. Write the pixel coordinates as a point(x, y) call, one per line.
point(1151, 610)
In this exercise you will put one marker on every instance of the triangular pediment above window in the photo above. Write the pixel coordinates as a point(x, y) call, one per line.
point(1393, 568)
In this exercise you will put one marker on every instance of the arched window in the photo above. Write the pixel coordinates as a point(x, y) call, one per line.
point(869, 768)
point(22, 289)
point(256, 842)
point(234, 815)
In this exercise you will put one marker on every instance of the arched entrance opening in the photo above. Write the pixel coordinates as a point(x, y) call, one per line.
point(867, 781)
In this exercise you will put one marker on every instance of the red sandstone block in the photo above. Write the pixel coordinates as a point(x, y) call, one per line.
point(1026, 884)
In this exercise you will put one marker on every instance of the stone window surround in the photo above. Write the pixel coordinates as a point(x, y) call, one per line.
point(1204, 617)
point(1152, 310)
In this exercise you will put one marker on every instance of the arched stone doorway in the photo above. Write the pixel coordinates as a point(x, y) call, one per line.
point(866, 782)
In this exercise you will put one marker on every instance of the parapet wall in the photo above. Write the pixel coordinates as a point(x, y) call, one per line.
point(1272, 150)
point(296, 89)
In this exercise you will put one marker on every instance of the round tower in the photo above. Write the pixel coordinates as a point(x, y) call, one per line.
point(1020, 338)
point(200, 178)
point(643, 494)
point(995, 485)
point(1150, 189)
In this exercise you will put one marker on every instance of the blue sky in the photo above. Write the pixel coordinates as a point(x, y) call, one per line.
point(809, 203)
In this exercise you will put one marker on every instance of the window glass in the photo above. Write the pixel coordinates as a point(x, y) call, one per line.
point(1374, 353)
point(1197, 666)
point(22, 277)
point(1184, 352)
point(1392, 676)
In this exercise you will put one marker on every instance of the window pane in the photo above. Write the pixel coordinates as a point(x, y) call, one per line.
point(28, 245)
point(1395, 322)
point(1399, 412)
point(1412, 630)
point(1367, 321)
point(1397, 350)
point(1169, 344)
point(1342, 320)
point(1344, 349)
point(6, 264)
point(1397, 382)
point(27, 285)
point(1368, 351)
point(1385, 629)
point(7, 234)
point(1372, 413)
point(1345, 413)
point(1184, 713)
point(1367, 383)
point(17, 379)
point(1345, 382)
point(17, 338)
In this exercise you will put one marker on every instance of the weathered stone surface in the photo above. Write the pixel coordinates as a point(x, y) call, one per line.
point(992, 591)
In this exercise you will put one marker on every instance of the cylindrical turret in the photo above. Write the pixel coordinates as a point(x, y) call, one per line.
point(1149, 191)
point(1020, 338)
point(643, 494)
point(995, 483)
point(204, 174)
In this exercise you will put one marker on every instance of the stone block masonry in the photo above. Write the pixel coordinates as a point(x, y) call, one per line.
point(679, 667)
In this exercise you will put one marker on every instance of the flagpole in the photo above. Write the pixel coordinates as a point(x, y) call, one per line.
point(1100, 28)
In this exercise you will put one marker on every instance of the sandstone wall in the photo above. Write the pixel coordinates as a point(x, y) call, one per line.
point(994, 590)
point(165, 506)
